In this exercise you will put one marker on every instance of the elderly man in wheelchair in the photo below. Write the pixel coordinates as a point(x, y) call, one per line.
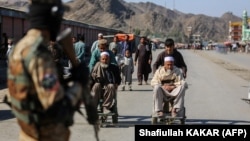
point(106, 78)
point(168, 89)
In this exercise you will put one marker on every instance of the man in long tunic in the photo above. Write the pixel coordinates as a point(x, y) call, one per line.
point(80, 49)
point(106, 79)
point(169, 85)
point(143, 55)
point(95, 43)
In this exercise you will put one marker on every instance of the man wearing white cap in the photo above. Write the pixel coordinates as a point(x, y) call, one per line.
point(95, 44)
point(106, 79)
point(169, 85)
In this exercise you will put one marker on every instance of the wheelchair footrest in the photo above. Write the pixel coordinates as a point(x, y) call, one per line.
point(108, 114)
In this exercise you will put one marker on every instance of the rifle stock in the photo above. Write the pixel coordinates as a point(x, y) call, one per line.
point(64, 39)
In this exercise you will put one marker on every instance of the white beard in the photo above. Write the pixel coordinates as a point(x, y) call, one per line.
point(104, 65)
point(168, 71)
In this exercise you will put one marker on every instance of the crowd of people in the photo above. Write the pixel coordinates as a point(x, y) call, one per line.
point(169, 72)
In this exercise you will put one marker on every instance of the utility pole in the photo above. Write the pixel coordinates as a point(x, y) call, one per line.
point(173, 5)
point(166, 4)
point(189, 30)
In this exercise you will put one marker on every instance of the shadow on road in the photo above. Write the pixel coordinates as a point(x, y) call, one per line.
point(217, 122)
point(141, 90)
point(130, 121)
point(6, 114)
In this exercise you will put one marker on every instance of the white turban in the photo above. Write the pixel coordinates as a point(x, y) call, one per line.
point(169, 58)
point(104, 53)
point(100, 35)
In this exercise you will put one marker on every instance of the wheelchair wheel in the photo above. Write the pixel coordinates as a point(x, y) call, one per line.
point(115, 118)
point(183, 121)
point(154, 120)
point(104, 119)
point(115, 111)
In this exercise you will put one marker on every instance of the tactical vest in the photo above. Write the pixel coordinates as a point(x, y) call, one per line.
point(24, 99)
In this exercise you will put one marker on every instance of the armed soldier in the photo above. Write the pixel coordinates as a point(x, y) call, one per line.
point(43, 105)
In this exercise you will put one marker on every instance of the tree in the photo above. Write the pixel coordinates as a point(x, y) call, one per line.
point(137, 31)
point(147, 32)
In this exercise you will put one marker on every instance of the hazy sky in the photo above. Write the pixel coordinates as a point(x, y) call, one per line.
point(208, 7)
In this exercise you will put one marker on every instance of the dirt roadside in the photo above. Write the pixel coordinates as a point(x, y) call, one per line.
point(236, 69)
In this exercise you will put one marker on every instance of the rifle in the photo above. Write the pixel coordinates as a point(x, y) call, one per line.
point(64, 39)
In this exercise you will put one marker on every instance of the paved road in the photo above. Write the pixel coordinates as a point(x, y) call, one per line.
point(214, 97)
point(215, 93)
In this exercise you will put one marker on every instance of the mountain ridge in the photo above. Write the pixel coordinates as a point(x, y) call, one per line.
point(145, 18)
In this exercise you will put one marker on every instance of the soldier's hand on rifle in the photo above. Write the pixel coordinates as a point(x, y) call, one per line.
point(91, 110)
point(80, 74)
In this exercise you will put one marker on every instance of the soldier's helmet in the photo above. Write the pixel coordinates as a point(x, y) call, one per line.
point(47, 14)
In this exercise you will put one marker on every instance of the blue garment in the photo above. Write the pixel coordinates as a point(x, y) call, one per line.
point(95, 57)
point(80, 50)
point(125, 46)
point(94, 46)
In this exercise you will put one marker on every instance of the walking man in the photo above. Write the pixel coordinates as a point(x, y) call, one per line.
point(143, 55)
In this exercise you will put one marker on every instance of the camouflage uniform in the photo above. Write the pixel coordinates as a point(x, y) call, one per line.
point(34, 76)
point(42, 104)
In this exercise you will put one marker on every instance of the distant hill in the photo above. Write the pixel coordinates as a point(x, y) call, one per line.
point(144, 18)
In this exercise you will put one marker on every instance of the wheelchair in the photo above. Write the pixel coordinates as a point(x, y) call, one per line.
point(167, 118)
point(104, 118)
